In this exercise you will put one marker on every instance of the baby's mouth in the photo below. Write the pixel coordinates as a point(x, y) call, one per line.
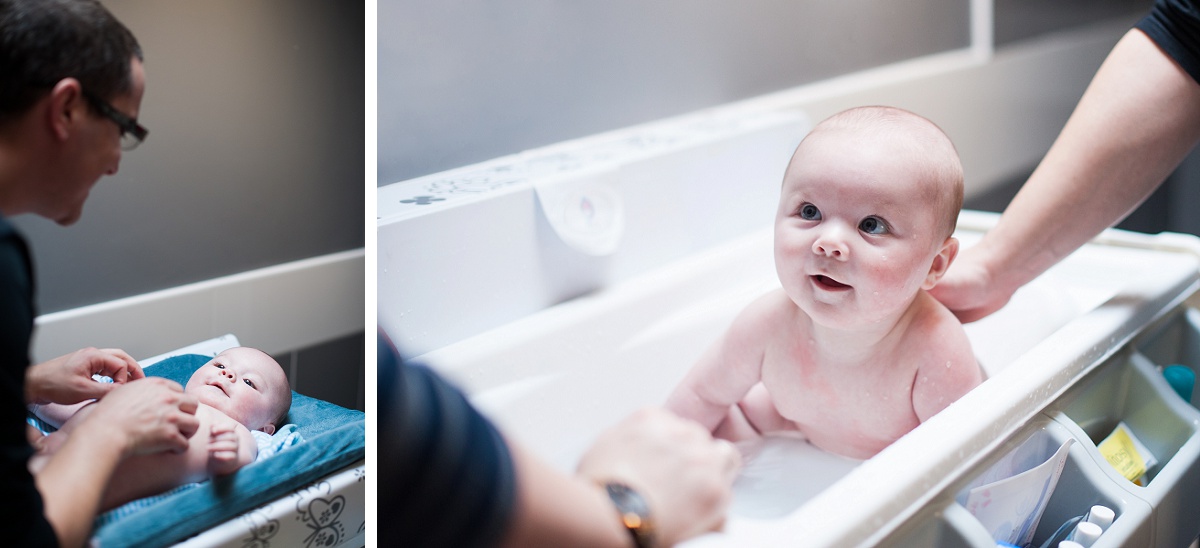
point(219, 386)
point(829, 284)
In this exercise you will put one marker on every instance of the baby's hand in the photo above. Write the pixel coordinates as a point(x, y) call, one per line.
point(223, 449)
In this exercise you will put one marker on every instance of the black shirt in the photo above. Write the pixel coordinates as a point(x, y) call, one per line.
point(23, 520)
point(445, 474)
point(1175, 26)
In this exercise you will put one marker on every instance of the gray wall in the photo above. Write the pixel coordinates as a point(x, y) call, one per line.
point(254, 158)
point(1017, 20)
point(463, 81)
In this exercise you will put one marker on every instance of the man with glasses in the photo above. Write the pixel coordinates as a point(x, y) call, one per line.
point(71, 84)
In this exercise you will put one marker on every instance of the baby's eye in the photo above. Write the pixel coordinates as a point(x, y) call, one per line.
point(810, 212)
point(248, 382)
point(219, 366)
point(873, 225)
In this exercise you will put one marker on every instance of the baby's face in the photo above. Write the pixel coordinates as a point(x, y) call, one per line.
point(244, 383)
point(856, 232)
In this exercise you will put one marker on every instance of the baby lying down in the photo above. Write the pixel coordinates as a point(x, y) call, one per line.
point(240, 390)
point(851, 352)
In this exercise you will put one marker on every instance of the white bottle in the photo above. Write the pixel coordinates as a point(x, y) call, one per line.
point(1100, 515)
point(1085, 534)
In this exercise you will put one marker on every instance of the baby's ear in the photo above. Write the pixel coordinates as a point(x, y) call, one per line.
point(269, 429)
point(941, 263)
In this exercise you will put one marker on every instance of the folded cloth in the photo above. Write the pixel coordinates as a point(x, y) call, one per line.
point(269, 444)
point(333, 438)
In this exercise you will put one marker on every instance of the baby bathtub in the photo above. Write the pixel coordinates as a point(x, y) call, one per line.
point(565, 287)
point(556, 378)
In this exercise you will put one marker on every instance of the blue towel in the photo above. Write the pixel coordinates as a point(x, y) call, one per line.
point(268, 446)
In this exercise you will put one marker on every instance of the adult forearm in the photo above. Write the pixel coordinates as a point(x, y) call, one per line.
point(1137, 120)
point(73, 481)
point(554, 509)
point(682, 474)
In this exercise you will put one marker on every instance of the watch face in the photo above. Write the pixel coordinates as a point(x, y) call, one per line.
point(635, 515)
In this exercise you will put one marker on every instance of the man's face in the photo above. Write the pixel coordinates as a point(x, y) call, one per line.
point(96, 152)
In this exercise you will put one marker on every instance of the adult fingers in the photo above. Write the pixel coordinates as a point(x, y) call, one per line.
point(118, 365)
point(188, 423)
point(730, 457)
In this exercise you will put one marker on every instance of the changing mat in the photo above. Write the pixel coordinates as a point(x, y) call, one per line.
point(334, 437)
point(268, 446)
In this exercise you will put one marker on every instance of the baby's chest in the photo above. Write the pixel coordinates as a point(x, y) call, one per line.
point(874, 397)
point(209, 417)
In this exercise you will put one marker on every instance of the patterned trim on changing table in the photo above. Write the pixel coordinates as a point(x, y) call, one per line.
point(328, 513)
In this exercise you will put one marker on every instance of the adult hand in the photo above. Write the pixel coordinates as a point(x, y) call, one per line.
point(684, 474)
point(68, 379)
point(148, 416)
point(968, 288)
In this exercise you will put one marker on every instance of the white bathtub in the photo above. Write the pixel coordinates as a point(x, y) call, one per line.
point(556, 340)
point(556, 378)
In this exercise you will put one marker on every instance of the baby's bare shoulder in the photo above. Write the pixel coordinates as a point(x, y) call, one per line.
point(766, 313)
point(947, 367)
point(938, 330)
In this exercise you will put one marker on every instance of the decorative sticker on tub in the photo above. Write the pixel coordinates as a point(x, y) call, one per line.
point(422, 200)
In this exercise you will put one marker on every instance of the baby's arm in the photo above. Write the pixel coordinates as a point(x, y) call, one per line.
point(230, 446)
point(727, 370)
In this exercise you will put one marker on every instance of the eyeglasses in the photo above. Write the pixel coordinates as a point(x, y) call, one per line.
point(132, 133)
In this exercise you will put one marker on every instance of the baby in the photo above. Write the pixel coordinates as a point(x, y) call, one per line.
point(851, 352)
point(241, 389)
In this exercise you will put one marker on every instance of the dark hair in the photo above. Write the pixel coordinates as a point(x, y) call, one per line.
point(44, 41)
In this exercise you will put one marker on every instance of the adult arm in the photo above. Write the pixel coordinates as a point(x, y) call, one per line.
point(140, 418)
point(684, 475)
point(1136, 121)
point(449, 478)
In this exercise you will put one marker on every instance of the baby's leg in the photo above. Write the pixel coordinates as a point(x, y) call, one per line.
point(44, 449)
point(56, 414)
point(37, 440)
point(33, 436)
point(74, 420)
point(48, 445)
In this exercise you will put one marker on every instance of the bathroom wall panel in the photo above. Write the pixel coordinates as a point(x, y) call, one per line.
point(254, 158)
point(466, 81)
point(1017, 20)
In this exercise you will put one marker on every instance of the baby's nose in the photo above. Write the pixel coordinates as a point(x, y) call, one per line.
point(832, 247)
point(227, 374)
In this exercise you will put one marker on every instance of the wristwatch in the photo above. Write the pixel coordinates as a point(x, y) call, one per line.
point(635, 514)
